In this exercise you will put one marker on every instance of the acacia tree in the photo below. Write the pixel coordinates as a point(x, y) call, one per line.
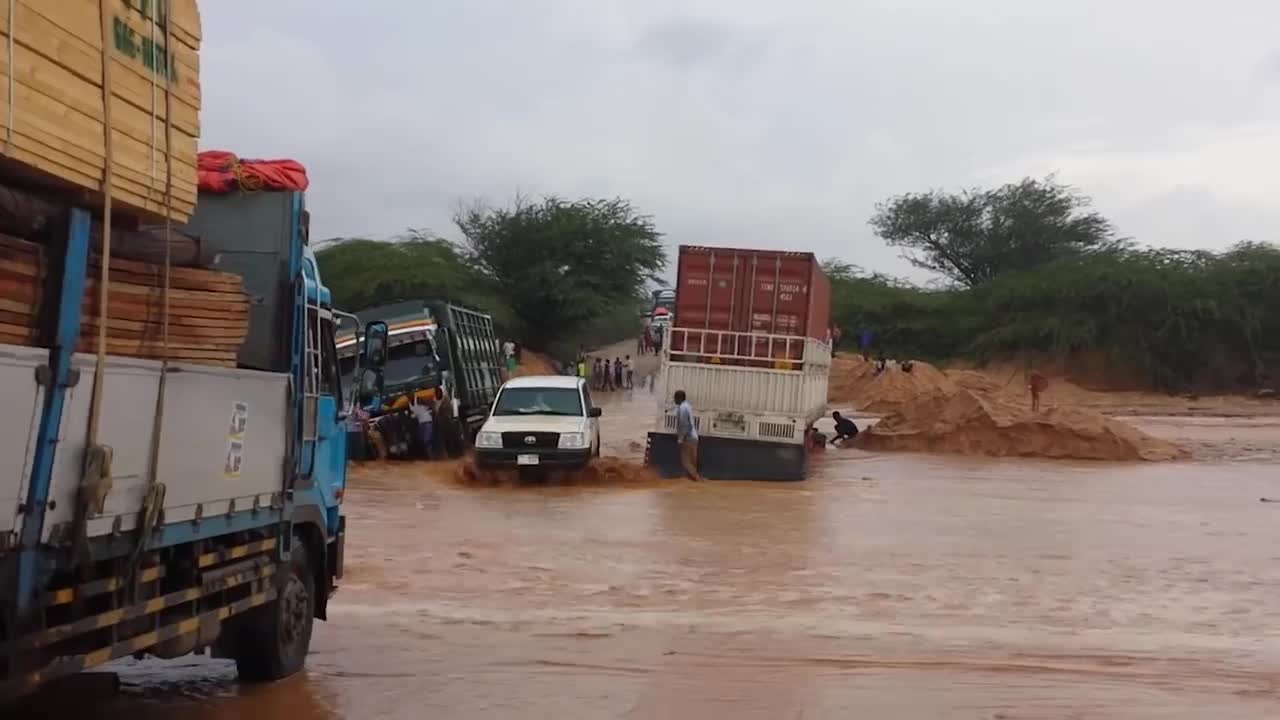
point(975, 235)
point(363, 273)
point(562, 265)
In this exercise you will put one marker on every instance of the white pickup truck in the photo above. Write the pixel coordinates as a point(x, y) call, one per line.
point(540, 421)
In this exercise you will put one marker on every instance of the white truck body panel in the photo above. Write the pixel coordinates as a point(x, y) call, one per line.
point(748, 403)
point(222, 442)
point(19, 426)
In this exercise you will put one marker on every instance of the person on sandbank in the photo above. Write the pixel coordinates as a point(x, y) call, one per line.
point(1036, 385)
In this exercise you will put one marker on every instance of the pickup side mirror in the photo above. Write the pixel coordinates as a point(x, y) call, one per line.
point(595, 412)
point(374, 351)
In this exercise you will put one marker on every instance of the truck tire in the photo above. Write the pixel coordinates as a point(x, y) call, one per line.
point(275, 638)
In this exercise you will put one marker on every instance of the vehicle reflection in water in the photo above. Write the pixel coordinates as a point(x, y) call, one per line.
point(903, 586)
point(191, 688)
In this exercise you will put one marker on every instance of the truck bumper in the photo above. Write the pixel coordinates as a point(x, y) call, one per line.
point(510, 458)
point(730, 459)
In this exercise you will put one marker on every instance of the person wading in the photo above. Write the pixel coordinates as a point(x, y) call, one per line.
point(422, 412)
point(845, 429)
point(509, 354)
point(687, 435)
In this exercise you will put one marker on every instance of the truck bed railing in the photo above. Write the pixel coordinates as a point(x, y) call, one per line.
point(779, 352)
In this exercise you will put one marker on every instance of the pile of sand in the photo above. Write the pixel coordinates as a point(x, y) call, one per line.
point(854, 381)
point(973, 423)
point(536, 363)
point(977, 413)
point(978, 381)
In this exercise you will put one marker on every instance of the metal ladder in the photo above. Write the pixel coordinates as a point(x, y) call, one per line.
point(311, 359)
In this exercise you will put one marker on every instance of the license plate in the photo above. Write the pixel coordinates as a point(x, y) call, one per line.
point(526, 459)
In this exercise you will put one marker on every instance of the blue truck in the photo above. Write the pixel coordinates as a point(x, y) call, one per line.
point(208, 514)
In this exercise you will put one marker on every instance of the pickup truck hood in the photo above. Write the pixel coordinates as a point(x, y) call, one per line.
point(535, 423)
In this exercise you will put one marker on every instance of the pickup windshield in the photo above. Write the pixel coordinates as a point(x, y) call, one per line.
point(539, 401)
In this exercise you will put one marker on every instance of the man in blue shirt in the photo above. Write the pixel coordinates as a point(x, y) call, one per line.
point(866, 341)
point(687, 435)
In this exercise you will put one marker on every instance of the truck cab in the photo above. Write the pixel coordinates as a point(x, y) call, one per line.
point(432, 347)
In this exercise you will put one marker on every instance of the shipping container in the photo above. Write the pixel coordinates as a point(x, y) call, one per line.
point(769, 294)
point(751, 351)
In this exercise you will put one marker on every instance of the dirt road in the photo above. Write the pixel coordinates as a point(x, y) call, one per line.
point(645, 365)
point(888, 586)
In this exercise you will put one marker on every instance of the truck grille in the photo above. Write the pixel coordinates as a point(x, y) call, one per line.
point(673, 423)
point(520, 440)
point(782, 431)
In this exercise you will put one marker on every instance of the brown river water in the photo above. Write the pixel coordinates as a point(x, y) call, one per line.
point(887, 586)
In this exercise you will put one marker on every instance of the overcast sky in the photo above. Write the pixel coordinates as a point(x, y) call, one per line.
point(757, 123)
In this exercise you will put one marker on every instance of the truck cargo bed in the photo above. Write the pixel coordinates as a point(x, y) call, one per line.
point(222, 443)
point(25, 400)
point(734, 397)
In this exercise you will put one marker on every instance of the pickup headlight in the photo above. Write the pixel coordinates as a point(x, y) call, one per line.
point(488, 440)
point(573, 441)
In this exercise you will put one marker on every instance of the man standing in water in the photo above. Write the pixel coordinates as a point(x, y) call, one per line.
point(687, 435)
point(509, 355)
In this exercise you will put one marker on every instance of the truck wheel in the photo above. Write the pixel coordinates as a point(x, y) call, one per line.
point(275, 638)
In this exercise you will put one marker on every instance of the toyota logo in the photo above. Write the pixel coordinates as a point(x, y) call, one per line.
point(530, 440)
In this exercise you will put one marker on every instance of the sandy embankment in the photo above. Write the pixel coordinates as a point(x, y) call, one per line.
point(536, 363)
point(929, 410)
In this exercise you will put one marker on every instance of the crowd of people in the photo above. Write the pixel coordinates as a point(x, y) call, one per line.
point(422, 426)
point(650, 341)
point(606, 376)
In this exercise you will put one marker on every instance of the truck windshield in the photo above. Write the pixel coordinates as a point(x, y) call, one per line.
point(539, 401)
point(409, 361)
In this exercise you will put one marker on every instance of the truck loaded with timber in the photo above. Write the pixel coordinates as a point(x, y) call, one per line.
point(751, 348)
point(173, 463)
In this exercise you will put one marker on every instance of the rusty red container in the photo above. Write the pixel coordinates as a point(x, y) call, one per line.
point(764, 292)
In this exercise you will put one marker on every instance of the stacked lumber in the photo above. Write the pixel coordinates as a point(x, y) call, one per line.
point(22, 280)
point(208, 309)
point(208, 313)
point(24, 214)
point(52, 97)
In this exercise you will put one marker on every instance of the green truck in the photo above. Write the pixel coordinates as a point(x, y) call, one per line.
point(432, 346)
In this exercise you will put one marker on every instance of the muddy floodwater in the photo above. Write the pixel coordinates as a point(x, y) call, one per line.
point(887, 586)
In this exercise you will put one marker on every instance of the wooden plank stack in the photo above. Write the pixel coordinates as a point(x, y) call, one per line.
point(52, 98)
point(208, 309)
point(22, 281)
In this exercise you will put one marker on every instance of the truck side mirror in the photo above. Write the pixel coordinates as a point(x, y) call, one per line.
point(374, 350)
point(370, 384)
point(595, 412)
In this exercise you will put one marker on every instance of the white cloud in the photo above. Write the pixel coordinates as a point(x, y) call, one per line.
point(753, 122)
